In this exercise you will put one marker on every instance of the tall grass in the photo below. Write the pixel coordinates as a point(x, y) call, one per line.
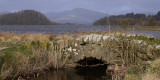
point(31, 58)
point(133, 54)
point(145, 72)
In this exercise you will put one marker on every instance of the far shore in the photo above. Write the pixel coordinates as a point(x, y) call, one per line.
point(150, 28)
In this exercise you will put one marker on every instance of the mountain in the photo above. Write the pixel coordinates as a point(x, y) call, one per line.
point(78, 15)
point(25, 17)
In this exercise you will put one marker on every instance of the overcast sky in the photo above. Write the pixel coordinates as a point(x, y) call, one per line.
point(105, 6)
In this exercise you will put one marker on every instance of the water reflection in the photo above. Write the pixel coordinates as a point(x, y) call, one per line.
point(73, 74)
point(94, 73)
point(87, 69)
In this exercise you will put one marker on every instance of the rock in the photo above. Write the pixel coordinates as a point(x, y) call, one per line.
point(138, 41)
point(74, 50)
point(76, 53)
point(70, 49)
point(157, 47)
point(105, 37)
point(128, 35)
point(75, 44)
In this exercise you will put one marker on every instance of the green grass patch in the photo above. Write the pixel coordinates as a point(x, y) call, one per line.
point(149, 40)
point(13, 49)
point(9, 57)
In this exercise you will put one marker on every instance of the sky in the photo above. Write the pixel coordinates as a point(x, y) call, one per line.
point(106, 6)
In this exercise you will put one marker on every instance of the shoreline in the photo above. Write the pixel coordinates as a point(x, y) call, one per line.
point(150, 28)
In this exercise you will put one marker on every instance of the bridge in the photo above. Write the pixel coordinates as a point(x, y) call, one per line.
point(110, 49)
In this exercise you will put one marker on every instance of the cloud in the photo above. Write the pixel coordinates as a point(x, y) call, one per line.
point(106, 6)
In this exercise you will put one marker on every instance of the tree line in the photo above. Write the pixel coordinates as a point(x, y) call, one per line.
point(131, 19)
point(25, 17)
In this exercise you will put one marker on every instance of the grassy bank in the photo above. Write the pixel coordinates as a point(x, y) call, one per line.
point(29, 54)
point(145, 72)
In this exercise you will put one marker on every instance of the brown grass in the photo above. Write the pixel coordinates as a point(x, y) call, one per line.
point(28, 37)
point(36, 57)
point(95, 32)
point(150, 72)
point(131, 77)
point(150, 76)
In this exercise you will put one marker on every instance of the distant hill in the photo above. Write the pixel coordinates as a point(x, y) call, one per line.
point(131, 19)
point(25, 17)
point(148, 13)
point(4, 12)
point(78, 15)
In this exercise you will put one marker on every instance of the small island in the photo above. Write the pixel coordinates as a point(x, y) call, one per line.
point(25, 17)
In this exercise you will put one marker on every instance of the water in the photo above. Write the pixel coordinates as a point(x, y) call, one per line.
point(80, 72)
point(147, 32)
point(63, 28)
point(48, 28)
point(73, 74)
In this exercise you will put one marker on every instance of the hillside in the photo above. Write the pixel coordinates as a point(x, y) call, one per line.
point(131, 19)
point(25, 17)
point(78, 15)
